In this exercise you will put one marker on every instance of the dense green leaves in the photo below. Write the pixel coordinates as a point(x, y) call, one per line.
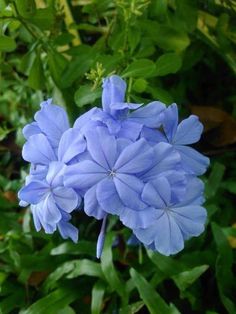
point(7, 43)
point(172, 51)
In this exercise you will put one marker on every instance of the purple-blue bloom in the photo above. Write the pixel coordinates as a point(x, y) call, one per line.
point(123, 159)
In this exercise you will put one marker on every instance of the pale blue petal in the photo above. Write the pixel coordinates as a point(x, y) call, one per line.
point(192, 161)
point(36, 219)
point(91, 205)
point(153, 136)
point(166, 159)
point(53, 122)
point(51, 213)
point(157, 193)
point(34, 192)
point(72, 144)
point(170, 121)
point(113, 91)
point(102, 146)
point(31, 129)
point(129, 189)
point(55, 173)
point(178, 183)
point(149, 115)
point(66, 198)
point(83, 175)
point(85, 118)
point(193, 194)
point(169, 239)
point(135, 158)
point(107, 197)
point(130, 130)
point(188, 131)
point(37, 150)
point(138, 219)
point(101, 238)
point(190, 219)
point(67, 230)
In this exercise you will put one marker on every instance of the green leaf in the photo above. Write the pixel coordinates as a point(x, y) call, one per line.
point(187, 278)
point(224, 274)
point(73, 269)
point(140, 68)
point(57, 64)
point(7, 44)
point(108, 267)
point(53, 302)
point(214, 179)
point(153, 301)
point(97, 297)
point(36, 78)
point(26, 8)
point(86, 96)
point(168, 63)
point(169, 38)
point(82, 247)
point(161, 94)
point(43, 18)
point(78, 66)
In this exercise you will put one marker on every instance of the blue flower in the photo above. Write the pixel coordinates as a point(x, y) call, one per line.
point(51, 201)
point(122, 119)
point(110, 177)
point(177, 221)
point(187, 132)
point(51, 120)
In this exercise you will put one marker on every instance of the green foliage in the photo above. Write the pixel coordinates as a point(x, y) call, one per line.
point(169, 50)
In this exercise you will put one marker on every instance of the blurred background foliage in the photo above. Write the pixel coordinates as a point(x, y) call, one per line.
point(179, 51)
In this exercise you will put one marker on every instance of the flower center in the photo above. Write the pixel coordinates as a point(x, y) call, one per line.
point(111, 173)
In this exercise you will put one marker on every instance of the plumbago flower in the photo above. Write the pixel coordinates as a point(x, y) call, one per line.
point(123, 159)
point(49, 154)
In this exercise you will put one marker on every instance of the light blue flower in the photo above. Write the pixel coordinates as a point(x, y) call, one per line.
point(51, 120)
point(187, 132)
point(177, 221)
point(123, 119)
point(51, 200)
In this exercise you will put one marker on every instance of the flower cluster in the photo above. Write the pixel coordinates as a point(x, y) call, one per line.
point(125, 159)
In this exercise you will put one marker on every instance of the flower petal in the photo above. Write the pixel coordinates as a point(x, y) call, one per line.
point(102, 146)
point(192, 161)
point(72, 144)
point(157, 193)
point(130, 130)
point(33, 192)
point(170, 121)
point(188, 131)
point(149, 115)
point(190, 219)
point(135, 158)
point(66, 198)
point(108, 197)
point(129, 189)
point(31, 129)
point(53, 122)
point(83, 175)
point(166, 159)
point(169, 239)
point(67, 230)
point(37, 150)
point(51, 213)
point(138, 219)
point(113, 91)
point(55, 173)
point(91, 205)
